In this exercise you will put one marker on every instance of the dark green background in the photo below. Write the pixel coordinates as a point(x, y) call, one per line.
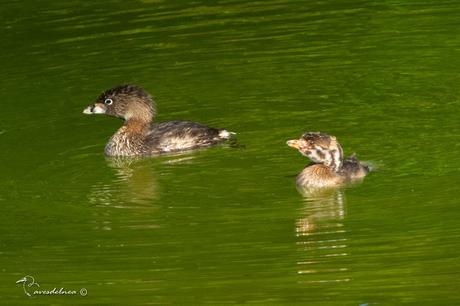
point(227, 225)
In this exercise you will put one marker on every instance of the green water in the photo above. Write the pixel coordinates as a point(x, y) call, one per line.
point(227, 225)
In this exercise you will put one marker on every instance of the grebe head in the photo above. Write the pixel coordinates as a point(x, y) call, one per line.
point(126, 102)
point(320, 148)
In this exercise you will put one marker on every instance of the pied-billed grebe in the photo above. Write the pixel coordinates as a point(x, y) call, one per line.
point(329, 168)
point(139, 135)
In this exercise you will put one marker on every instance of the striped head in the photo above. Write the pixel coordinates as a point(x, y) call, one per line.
point(320, 148)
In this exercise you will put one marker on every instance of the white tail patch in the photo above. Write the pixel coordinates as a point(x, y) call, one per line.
point(226, 134)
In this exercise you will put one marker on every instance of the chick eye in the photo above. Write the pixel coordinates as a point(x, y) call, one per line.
point(108, 101)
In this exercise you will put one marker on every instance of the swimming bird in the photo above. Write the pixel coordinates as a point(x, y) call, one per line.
point(329, 168)
point(139, 135)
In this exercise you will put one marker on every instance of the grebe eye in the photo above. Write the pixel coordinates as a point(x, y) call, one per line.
point(108, 101)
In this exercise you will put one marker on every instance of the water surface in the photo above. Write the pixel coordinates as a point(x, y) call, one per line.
point(227, 225)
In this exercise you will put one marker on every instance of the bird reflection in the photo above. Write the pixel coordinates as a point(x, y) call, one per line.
point(134, 184)
point(322, 235)
point(322, 206)
point(138, 177)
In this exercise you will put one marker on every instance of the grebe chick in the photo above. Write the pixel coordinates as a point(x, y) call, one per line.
point(139, 136)
point(329, 169)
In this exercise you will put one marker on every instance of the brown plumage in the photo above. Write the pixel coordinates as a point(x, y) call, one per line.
point(139, 135)
point(329, 168)
point(319, 175)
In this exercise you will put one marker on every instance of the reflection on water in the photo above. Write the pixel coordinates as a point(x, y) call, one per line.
point(263, 69)
point(321, 205)
point(322, 235)
point(134, 184)
point(134, 187)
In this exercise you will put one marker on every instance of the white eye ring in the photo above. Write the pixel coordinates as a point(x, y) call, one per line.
point(108, 101)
